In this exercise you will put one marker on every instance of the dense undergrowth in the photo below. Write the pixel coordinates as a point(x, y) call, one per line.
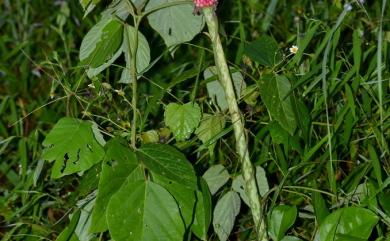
point(317, 120)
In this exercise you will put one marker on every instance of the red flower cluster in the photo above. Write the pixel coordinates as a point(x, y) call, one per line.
point(205, 3)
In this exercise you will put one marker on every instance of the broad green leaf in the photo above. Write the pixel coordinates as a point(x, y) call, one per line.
point(168, 162)
point(274, 91)
point(238, 184)
point(264, 50)
point(184, 196)
point(144, 211)
point(320, 209)
point(182, 119)
point(279, 135)
point(209, 128)
point(143, 53)
point(73, 147)
point(202, 217)
point(215, 89)
point(282, 218)
point(176, 24)
point(101, 43)
point(92, 72)
point(355, 222)
point(225, 212)
point(118, 163)
point(216, 176)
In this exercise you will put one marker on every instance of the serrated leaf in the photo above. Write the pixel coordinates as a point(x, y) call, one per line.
point(225, 212)
point(210, 126)
point(238, 184)
point(274, 91)
point(72, 146)
point(176, 24)
point(202, 217)
point(182, 119)
point(143, 53)
point(144, 211)
point(264, 50)
point(215, 89)
point(353, 222)
point(216, 176)
point(101, 43)
point(166, 161)
point(282, 218)
point(118, 164)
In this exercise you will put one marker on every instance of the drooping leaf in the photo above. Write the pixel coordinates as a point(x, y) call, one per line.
point(101, 43)
point(72, 146)
point(184, 196)
point(118, 163)
point(144, 211)
point(68, 234)
point(238, 184)
point(282, 218)
point(264, 50)
point(166, 161)
point(320, 209)
point(215, 89)
point(216, 176)
point(202, 217)
point(274, 91)
point(225, 213)
point(176, 24)
point(182, 119)
point(85, 221)
point(351, 222)
point(143, 53)
point(209, 128)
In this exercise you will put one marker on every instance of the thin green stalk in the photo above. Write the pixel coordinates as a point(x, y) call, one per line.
point(379, 67)
point(133, 73)
point(238, 125)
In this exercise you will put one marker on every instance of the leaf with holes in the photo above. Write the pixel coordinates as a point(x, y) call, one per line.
point(182, 119)
point(72, 146)
point(144, 211)
point(176, 24)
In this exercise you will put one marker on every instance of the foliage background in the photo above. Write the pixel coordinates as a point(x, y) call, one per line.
point(41, 81)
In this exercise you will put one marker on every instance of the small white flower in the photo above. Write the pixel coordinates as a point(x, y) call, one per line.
point(293, 49)
point(347, 7)
point(92, 86)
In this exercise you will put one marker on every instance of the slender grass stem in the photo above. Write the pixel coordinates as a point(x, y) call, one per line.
point(379, 67)
point(238, 125)
point(133, 73)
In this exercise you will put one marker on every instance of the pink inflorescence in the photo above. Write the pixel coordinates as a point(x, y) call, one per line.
point(205, 3)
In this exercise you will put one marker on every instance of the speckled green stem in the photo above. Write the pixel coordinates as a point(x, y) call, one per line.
point(238, 125)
